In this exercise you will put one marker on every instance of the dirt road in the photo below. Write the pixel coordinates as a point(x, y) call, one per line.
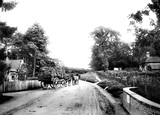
point(83, 99)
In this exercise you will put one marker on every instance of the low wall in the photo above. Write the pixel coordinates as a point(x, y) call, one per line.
point(20, 85)
point(138, 105)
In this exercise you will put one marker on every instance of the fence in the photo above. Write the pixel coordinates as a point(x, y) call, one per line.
point(20, 85)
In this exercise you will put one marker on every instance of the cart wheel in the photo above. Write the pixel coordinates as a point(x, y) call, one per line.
point(44, 85)
point(63, 82)
point(55, 82)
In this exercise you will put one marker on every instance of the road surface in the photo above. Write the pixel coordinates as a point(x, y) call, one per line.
point(82, 99)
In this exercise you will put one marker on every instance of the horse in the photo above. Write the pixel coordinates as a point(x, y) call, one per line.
point(69, 79)
point(75, 78)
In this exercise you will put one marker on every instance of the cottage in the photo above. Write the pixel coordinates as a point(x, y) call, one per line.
point(152, 63)
point(16, 66)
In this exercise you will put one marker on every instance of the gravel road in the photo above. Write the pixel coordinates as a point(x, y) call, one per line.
point(82, 99)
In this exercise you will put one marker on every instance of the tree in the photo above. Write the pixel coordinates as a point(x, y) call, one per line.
point(5, 33)
point(35, 35)
point(105, 44)
point(7, 6)
point(146, 40)
point(121, 57)
point(96, 62)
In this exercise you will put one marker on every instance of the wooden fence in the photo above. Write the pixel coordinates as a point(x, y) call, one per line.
point(20, 85)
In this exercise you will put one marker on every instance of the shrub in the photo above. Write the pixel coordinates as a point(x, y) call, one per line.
point(148, 83)
point(113, 87)
point(88, 77)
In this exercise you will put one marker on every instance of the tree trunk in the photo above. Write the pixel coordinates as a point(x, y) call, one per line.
point(34, 66)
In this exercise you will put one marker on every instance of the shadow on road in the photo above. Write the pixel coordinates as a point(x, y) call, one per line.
point(5, 98)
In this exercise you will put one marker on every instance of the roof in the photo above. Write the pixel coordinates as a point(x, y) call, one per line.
point(13, 70)
point(16, 64)
point(153, 60)
point(155, 66)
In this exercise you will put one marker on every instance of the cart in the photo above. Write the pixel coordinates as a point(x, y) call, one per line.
point(50, 76)
point(46, 77)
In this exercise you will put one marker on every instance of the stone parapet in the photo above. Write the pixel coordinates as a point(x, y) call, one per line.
point(138, 105)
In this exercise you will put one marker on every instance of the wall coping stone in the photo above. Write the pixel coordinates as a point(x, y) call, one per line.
point(140, 98)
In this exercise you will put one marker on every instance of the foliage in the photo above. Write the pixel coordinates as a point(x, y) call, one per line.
point(5, 34)
point(75, 70)
point(146, 82)
point(112, 87)
point(146, 40)
point(7, 6)
point(108, 51)
point(121, 57)
point(32, 47)
point(105, 43)
point(36, 35)
point(96, 62)
point(4, 68)
point(88, 77)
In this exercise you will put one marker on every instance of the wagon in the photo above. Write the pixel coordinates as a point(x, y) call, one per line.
point(46, 78)
point(50, 76)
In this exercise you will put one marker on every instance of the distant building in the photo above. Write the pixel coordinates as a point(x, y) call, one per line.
point(152, 63)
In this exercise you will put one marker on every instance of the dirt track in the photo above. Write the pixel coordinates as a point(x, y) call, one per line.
point(83, 99)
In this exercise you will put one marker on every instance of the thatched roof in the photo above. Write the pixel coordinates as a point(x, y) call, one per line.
point(16, 64)
point(153, 60)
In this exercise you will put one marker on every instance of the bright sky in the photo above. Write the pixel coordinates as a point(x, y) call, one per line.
point(68, 23)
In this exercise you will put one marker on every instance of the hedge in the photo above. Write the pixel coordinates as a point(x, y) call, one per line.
point(148, 83)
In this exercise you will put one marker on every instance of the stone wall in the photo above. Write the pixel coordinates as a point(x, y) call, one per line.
point(20, 85)
point(138, 105)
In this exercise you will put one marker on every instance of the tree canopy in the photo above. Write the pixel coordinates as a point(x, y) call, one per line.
point(146, 40)
point(108, 51)
point(7, 6)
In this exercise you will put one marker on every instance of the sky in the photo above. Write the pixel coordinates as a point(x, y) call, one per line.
point(68, 24)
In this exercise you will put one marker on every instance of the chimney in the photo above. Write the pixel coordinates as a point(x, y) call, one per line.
point(147, 54)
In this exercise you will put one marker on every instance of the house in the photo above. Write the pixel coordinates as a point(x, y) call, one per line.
point(16, 66)
point(152, 63)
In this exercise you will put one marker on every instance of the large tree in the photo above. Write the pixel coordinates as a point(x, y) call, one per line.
point(146, 40)
point(7, 6)
point(104, 46)
point(121, 56)
point(37, 41)
point(5, 33)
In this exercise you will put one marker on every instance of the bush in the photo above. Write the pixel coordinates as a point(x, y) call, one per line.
point(88, 77)
point(113, 87)
point(148, 83)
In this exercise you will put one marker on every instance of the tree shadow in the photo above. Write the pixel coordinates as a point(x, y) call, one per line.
point(5, 98)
